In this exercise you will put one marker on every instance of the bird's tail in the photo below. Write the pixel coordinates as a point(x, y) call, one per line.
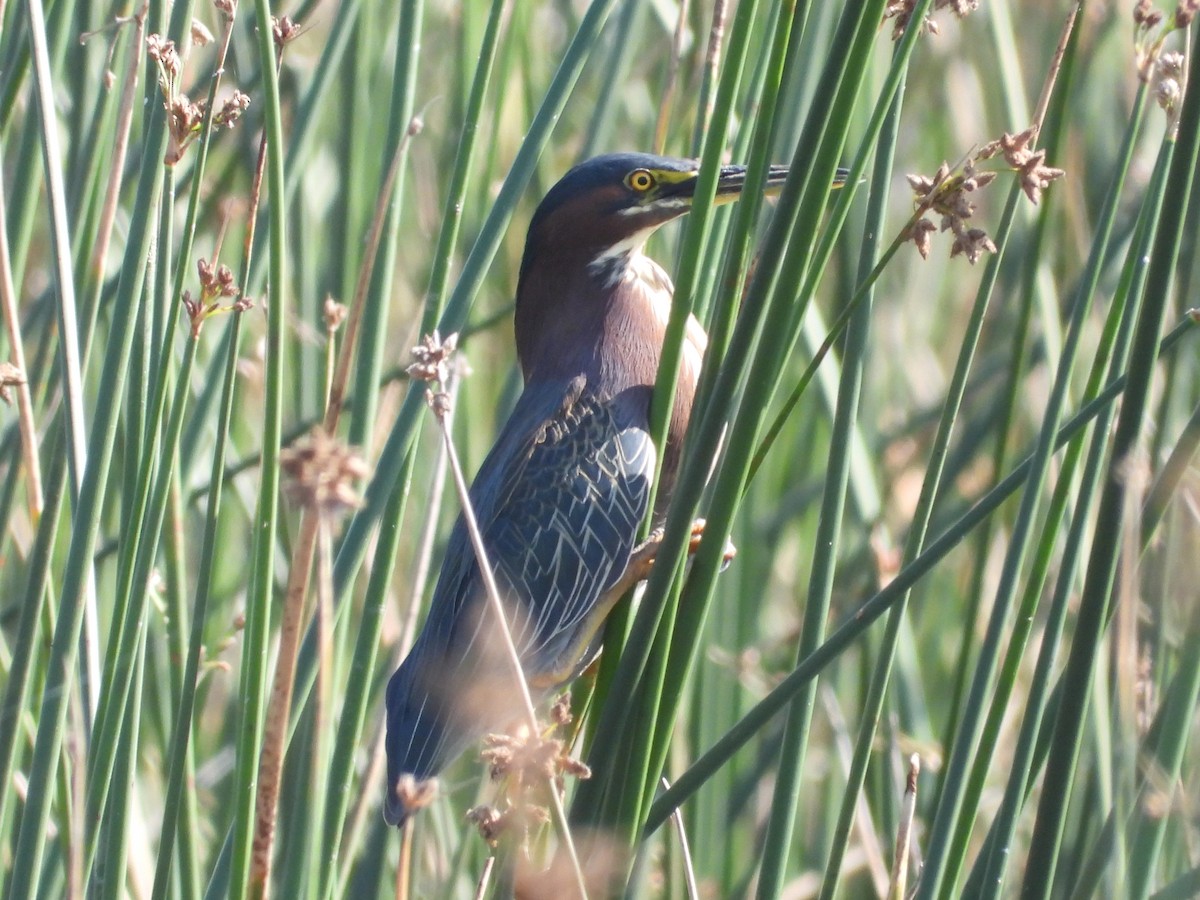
point(435, 711)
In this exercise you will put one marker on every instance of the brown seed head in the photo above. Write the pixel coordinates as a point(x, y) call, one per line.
point(230, 110)
point(201, 36)
point(901, 12)
point(215, 281)
point(971, 242)
point(415, 794)
point(284, 30)
point(489, 821)
point(183, 124)
point(921, 234)
point(1145, 15)
point(431, 358)
point(10, 377)
point(335, 314)
point(323, 472)
point(560, 712)
point(163, 52)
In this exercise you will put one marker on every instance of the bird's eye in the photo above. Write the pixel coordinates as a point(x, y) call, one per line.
point(640, 180)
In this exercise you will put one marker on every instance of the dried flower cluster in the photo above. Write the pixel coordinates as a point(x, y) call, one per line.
point(947, 192)
point(1029, 164)
point(230, 110)
point(163, 52)
point(284, 30)
point(10, 377)
point(1146, 17)
point(216, 281)
point(216, 284)
point(527, 763)
point(901, 12)
point(431, 363)
point(185, 117)
point(323, 472)
point(526, 760)
point(201, 36)
point(1160, 68)
point(947, 196)
point(493, 823)
point(431, 358)
point(1168, 83)
point(1163, 70)
point(335, 314)
point(227, 8)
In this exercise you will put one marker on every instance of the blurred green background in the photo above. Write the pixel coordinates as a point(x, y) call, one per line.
point(1039, 661)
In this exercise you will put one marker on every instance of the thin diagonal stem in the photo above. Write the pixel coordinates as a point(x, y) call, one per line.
point(510, 647)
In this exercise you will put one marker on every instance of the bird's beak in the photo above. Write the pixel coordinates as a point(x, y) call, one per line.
point(679, 187)
point(733, 179)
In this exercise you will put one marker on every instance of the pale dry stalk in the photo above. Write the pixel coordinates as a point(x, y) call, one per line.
point(25, 423)
point(433, 367)
point(341, 376)
point(904, 834)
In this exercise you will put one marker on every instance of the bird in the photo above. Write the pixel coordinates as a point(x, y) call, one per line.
point(560, 497)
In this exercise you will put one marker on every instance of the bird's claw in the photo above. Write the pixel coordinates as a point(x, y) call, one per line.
point(641, 561)
point(698, 534)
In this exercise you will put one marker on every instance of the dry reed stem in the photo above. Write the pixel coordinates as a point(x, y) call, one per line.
point(439, 403)
point(322, 472)
point(270, 760)
point(404, 870)
point(112, 192)
point(271, 753)
point(904, 834)
point(484, 878)
point(25, 423)
point(337, 388)
point(712, 59)
point(864, 823)
point(672, 77)
point(685, 850)
point(275, 735)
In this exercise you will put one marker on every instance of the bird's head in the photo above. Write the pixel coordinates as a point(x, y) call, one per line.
point(606, 207)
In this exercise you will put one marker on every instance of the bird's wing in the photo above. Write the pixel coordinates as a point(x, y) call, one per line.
point(558, 500)
point(565, 527)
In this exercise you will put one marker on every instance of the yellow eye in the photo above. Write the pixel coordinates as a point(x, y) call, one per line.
point(640, 180)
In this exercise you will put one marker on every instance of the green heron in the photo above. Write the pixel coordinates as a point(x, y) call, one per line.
point(561, 495)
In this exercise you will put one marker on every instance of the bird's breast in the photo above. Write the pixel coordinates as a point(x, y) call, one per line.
point(653, 294)
point(634, 332)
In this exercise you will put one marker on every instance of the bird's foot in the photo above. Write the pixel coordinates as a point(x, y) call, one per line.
point(641, 562)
